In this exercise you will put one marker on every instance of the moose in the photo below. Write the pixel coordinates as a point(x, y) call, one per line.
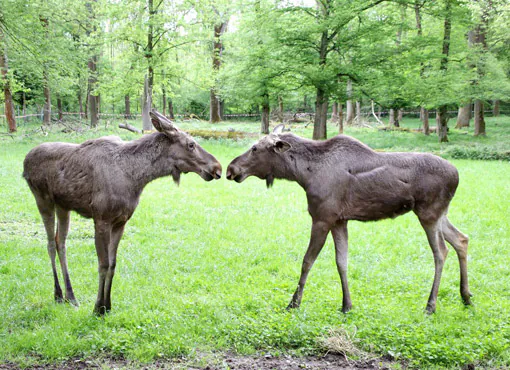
point(103, 179)
point(346, 180)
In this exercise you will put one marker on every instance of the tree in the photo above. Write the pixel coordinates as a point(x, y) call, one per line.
point(442, 128)
point(9, 106)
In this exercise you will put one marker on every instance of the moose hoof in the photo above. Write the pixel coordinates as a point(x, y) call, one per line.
point(346, 308)
point(292, 305)
point(73, 301)
point(429, 310)
point(59, 299)
point(100, 311)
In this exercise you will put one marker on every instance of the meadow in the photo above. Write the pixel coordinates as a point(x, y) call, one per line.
point(210, 267)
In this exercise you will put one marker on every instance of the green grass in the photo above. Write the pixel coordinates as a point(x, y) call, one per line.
point(211, 266)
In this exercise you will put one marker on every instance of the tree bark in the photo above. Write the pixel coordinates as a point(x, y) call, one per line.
point(358, 118)
point(349, 116)
point(93, 106)
point(163, 99)
point(464, 116)
point(80, 103)
point(9, 104)
point(392, 117)
point(340, 119)
point(46, 79)
point(59, 109)
point(321, 115)
point(170, 109)
point(146, 106)
point(149, 78)
point(442, 128)
point(214, 106)
point(92, 98)
point(400, 115)
point(479, 118)
point(425, 120)
point(127, 107)
point(495, 108)
point(25, 118)
point(334, 112)
point(264, 124)
point(280, 109)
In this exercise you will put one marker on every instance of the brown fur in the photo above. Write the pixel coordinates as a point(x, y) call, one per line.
point(346, 180)
point(102, 179)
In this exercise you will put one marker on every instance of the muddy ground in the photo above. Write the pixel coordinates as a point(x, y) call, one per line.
point(219, 362)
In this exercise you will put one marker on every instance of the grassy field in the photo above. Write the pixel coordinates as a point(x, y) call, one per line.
point(210, 267)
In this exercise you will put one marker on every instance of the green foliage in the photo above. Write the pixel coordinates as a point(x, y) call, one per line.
point(208, 267)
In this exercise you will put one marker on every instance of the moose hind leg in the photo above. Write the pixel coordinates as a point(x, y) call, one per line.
point(102, 240)
point(339, 232)
point(439, 249)
point(47, 211)
point(318, 238)
point(459, 242)
point(62, 231)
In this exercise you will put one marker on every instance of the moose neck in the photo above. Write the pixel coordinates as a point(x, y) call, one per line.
point(147, 159)
point(307, 158)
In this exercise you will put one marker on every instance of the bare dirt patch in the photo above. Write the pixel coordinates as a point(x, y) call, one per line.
point(218, 362)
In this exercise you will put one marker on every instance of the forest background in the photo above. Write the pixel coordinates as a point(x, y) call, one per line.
point(337, 59)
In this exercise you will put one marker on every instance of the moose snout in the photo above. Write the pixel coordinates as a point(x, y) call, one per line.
point(232, 172)
point(216, 171)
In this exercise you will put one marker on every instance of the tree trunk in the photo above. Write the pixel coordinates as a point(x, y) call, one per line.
point(215, 109)
point(426, 127)
point(146, 106)
point(127, 107)
point(334, 113)
point(464, 116)
point(340, 119)
point(80, 103)
point(93, 106)
point(321, 115)
point(442, 128)
point(392, 117)
point(46, 79)
point(170, 109)
point(59, 109)
point(479, 119)
point(47, 98)
point(400, 115)
point(25, 118)
point(264, 124)
point(358, 118)
point(280, 109)
point(349, 116)
point(9, 105)
point(163, 99)
point(495, 108)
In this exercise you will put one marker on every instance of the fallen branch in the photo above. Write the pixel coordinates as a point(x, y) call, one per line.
point(375, 115)
point(129, 127)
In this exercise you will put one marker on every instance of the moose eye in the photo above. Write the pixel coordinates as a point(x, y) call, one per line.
point(254, 148)
point(191, 146)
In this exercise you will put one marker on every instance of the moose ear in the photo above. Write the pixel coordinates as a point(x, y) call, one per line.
point(281, 146)
point(278, 129)
point(161, 123)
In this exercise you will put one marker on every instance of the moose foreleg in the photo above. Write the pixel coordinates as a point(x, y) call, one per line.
point(339, 232)
point(117, 232)
point(319, 233)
